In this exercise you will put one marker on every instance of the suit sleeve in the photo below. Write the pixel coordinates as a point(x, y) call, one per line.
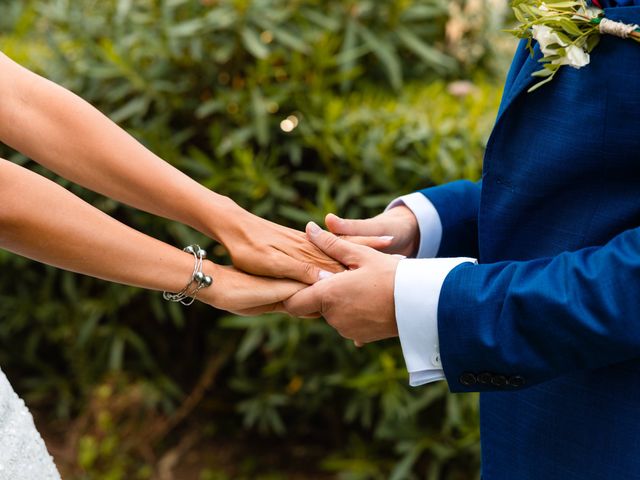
point(457, 204)
point(510, 325)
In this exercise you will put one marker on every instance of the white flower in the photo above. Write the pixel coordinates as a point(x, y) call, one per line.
point(545, 37)
point(574, 56)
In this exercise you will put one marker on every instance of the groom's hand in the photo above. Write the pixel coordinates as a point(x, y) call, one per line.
point(358, 303)
point(397, 225)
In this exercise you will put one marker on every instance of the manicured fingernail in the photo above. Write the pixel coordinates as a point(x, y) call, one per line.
point(401, 257)
point(314, 229)
point(324, 274)
point(387, 238)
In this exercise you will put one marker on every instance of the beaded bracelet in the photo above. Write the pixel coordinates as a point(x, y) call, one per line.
point(188, 294)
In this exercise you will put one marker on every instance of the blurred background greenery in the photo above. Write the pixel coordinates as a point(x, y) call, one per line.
point(294, 109)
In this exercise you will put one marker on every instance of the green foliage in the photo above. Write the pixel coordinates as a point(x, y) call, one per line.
point(294, 109)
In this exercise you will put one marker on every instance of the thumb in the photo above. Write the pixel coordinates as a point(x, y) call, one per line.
point(357, 228)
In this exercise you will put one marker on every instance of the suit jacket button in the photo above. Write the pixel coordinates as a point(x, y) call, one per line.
point(516, 381)
point(467, 379)
point(499, 380)
point(485, 378)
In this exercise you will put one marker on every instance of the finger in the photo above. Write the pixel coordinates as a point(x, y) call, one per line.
point(345, 252)
point(379, 243)
point(275, 291)
point(368, 227)
point(306, 302)
point(308, 252)
point(261, 310)
point(304, 272)
point(358, 344)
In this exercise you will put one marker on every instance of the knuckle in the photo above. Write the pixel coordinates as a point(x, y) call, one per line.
point(331, 240)
point(292, 307)
point(329, 243)
point(274, 256)
point(308, 271)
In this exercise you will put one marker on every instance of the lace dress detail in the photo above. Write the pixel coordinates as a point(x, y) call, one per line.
point(23, 454)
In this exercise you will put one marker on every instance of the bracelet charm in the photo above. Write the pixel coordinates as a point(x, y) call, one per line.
point(197, 282)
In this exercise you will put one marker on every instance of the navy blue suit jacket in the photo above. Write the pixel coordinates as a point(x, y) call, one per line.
point(547, 326)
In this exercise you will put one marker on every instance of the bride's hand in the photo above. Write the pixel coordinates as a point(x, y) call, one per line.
point(244, 294)
point(265, 248)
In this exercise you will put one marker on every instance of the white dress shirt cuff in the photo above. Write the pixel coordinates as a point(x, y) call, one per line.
point(417, 291)
point(429, 222)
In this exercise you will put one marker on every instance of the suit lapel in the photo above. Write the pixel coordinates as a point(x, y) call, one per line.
point(519, 78)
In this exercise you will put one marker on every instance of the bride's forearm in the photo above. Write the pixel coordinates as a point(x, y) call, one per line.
point(41, 220)
point(70, 137)
point(67, 135)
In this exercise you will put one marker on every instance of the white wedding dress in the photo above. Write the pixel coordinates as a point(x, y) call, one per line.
point(23, 454)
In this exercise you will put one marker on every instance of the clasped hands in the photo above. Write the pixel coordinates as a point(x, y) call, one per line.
point(347, 279)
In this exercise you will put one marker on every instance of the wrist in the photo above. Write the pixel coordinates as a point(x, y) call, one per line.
point(409, 228)
point(423, 228)
point(211, 294)
point(215, 215)
point(413, 235)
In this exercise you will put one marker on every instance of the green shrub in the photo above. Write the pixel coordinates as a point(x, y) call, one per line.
point(294, 109)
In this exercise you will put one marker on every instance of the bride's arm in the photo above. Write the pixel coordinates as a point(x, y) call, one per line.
point(41, 220)
point(64, 133)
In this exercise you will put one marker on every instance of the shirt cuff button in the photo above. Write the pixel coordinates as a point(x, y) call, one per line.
point(435, 360)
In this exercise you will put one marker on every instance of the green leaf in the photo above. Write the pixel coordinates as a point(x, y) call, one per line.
point(539, 84)
point(592, 42)
point(570, 27)
point(542, 73)
point(209, 107)
point(346, 59)
point(290, 40)
point(187, 28)
point(116, 353)
point(430, 55)
point(252, 339)
point(386, 54)
point(253, 44)
point(260, 116)
point(402, 469)
point(134, 107)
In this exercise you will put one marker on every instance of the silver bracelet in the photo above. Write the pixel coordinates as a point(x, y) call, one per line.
point(198, 280)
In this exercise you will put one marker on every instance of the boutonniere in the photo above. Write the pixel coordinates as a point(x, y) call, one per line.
point(567, 31)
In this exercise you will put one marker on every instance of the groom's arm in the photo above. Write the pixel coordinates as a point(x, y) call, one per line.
point(501, 326)
point(513, 324)
point(447, 217)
